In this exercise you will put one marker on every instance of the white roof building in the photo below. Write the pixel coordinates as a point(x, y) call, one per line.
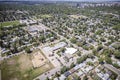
point(56, 79)
point(80, 73)
point(70, 50)
point(59, 45)
point(88, 68)
point(62, 77)
point(81, 65)
point(56, 46)
point(97, 70)
point(118, 63)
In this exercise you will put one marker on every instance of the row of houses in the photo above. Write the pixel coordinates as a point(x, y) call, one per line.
point(106, 71)
point(79, 70)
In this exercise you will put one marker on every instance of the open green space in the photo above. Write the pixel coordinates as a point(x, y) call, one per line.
point(45, 16)
point(8, 23)
point(21, 68)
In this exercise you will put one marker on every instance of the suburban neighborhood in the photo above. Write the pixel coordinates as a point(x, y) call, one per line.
point(59, 40)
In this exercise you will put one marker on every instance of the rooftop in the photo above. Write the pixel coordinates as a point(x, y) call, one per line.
point(70, 50)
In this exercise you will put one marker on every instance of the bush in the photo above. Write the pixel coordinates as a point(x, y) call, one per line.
point(116, 65)
point(117, 54)
point(73, 40)
point(108, 60)
point(72, 65)
point(64, 69)
point(79, 53)
point(85, 78)
point(28, 50)
point(116, 27)
point(100, 47)
point(80, 60)
point(101, 60)
point(99, 32)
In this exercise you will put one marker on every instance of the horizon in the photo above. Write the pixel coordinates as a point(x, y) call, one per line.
point(67, 0)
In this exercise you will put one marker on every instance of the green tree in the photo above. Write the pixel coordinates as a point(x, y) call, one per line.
point(78, 53)
point(62, 50)
point(57, 75)
point(90, 63)
point(85, 78)
point(81, 59)
point(101, 60)
point(99, 32)
point(100, 47)
point(73, 40)
point(72, 65)
point(27, 49)
point(117, 54)
point(42, 39)
point(95, 52)
point(108, 60)
point(64, 69)
point(77, 78)
point(117, 27)
point(107, 52)
point(116, 65)
point(47, 78)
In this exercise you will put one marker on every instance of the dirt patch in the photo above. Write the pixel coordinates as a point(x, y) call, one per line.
point(38, 59)
point(21, 68)
point(11, 62)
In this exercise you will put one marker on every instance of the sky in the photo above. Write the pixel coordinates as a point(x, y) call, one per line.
point(61, 0)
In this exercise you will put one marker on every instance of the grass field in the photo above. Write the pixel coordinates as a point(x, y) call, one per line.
point(46, 16)
point(9, 23)
point(21, 68)
point(77, 16)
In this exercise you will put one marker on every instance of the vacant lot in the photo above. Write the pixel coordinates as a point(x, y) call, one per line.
point(21, 68)
point(9, 23)
point(38, 60)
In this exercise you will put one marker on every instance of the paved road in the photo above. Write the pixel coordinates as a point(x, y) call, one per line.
point(85, 52)
point(16, 54)
point(117, 71)
point(52, 59)
point(56, 63)
point(48, 73)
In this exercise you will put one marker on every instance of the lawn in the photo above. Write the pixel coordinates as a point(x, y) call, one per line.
point(77, 16)
point(46, 16)
point(9, 23)
point(21, 68)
